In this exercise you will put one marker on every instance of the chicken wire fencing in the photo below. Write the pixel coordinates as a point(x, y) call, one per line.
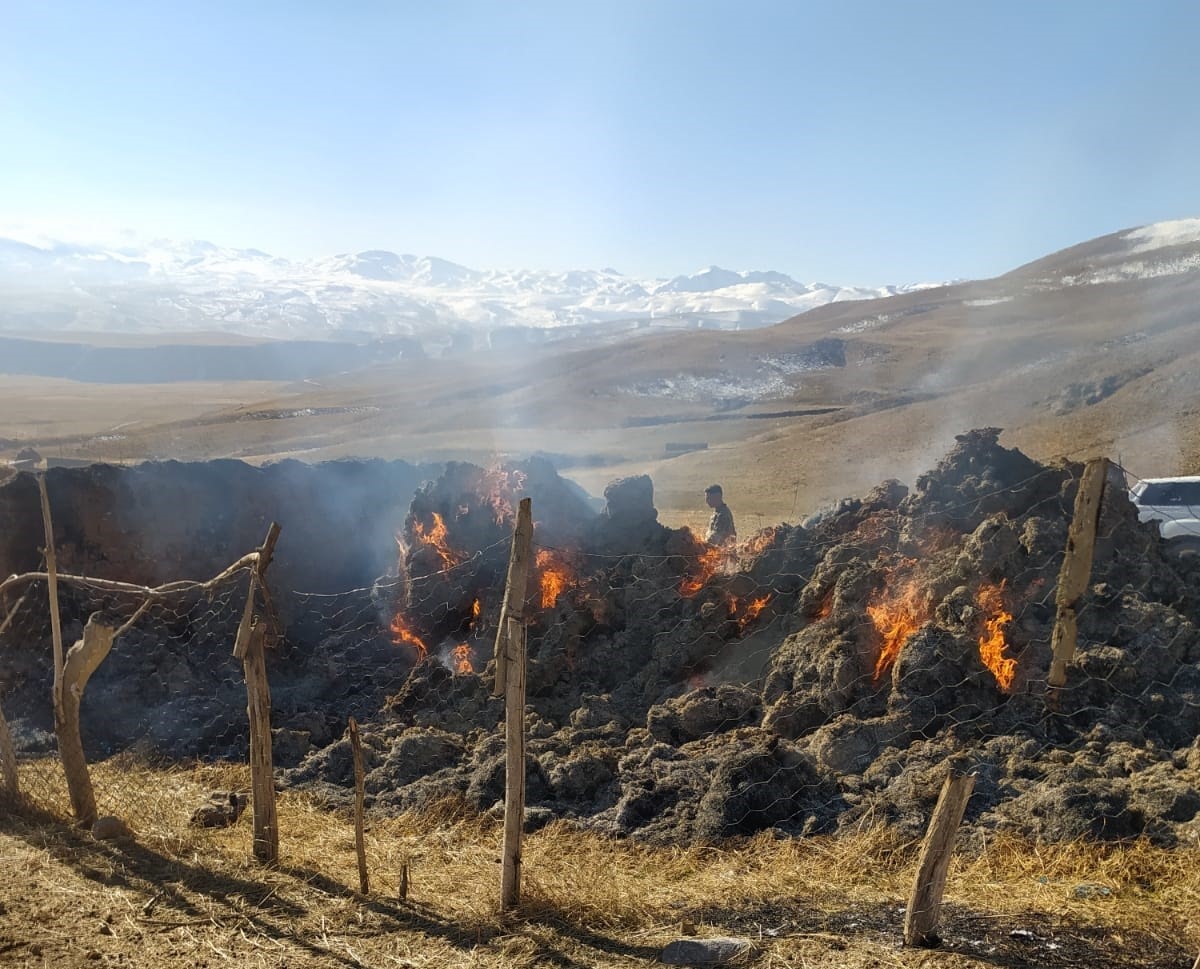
point(169, 690)
point(818, 676)
point(807, 679)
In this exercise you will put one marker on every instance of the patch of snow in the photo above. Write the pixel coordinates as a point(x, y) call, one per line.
point(793, 363)
point(767, 382)
point(1136, 269)
point(1159, 235)
point(693, 388)
point(987, 302)
point(861, 326)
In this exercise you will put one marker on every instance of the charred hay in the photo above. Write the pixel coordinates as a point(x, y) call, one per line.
point(817, 677)
point(657, 710)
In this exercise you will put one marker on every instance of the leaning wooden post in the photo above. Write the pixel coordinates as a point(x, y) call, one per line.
point(249, 649)
point(925, 902)
point(359, 798)
point(82, 661)
point(1076, 570)
point(510, 678)
point(10, 786)
point(52, 582)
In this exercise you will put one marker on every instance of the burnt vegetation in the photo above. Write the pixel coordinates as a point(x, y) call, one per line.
point(815, 678)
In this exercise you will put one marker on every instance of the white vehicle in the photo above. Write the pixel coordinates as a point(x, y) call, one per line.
point(1175, 504)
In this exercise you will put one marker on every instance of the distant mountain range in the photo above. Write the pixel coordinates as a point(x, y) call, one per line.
point(1094, 349)
point(191, 287)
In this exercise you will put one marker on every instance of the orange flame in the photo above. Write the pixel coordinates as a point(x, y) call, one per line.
point(991, 643)
point(436, 539)
point(556, 576)
point(403, 634)
point(897, 612)
point(501, 487)
point(708, 562)
point(475, 607)
point(758, 543)
point(756, 606)
point(826, 607)
point(462, 659)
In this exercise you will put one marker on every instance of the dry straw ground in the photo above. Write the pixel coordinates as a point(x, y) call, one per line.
point(179, 896)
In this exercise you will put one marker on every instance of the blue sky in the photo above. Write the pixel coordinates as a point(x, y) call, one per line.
point(845, 142)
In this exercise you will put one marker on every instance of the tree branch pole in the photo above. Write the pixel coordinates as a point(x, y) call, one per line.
point(247, 561)
point(248, 647)
point(510, 678)
point(82, 661)
point(52, 583)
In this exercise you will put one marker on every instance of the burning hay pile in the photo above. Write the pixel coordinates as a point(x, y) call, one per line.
point(816, 676)
point(813, 677)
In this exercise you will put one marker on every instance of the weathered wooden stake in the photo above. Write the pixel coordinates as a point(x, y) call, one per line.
point(403, 880)
point(82, 661)
point(359, 804)
point(1076, 570)
point(510, 676)
point(249, 649)
point(925, 903)
point(258, 695)
point(10, 786)
point(52, 582)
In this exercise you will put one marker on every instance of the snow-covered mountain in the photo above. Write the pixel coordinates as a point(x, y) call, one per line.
point(172, 287)
point(164, 286)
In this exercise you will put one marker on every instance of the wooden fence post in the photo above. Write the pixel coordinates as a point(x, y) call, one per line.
point(1076, 570)
point(82, 661)
point(249, 649)
point(359, 798)
point(10, 786)
point(510, 677)
point(52, 584)
point(925, 902)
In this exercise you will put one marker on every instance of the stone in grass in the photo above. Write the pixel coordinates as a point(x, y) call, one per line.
point(707, 952)
point(109, 828)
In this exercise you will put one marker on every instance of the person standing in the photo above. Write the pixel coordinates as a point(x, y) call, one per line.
point(720, 526)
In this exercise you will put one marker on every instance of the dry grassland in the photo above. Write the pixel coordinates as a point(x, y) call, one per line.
point(179, 896)
point(86, 416)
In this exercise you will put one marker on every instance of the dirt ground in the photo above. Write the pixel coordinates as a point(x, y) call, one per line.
point(179, 896)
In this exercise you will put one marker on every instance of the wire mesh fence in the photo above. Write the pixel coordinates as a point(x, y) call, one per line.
point(810, 678)
point(169, 689)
